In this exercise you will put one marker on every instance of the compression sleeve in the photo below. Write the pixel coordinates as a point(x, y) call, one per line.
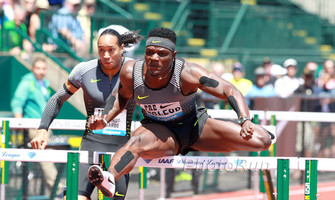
point(109, 104)
point(53, 107)
point(233, 104)
point(111, 99)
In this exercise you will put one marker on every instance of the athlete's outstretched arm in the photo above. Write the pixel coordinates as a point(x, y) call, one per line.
point(50, 113)
point(117, 100)
point(197, 77)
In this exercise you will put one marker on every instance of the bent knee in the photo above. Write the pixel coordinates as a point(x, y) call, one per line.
point(263, 139)
point(149, 145)
point(134, 144)
point(265, 143)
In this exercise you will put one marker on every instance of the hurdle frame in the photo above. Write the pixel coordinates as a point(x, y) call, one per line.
point(186, 162)
point(280, 115)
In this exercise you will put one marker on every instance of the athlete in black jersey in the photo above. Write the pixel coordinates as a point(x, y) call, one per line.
point(97, 78)
point(164, 86)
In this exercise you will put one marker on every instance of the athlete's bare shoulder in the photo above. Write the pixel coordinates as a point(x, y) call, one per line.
point(127, 69)
point(193, 71)
point(190, 76)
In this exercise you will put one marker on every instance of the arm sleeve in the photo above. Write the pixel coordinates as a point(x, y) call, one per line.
point(111, 99)
point(109, 104)
point(53, 107)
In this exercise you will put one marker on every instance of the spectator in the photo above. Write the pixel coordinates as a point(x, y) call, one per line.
point(260, 89)
point(305, 130)
point(16, 44)
point(29, 6)
point(277, 71)
point(66, 27)
point(56, 4)
point(220, 68)
point(33, 19)
point(29, 101)
point(325, 132)
point(326, 74)
point(267, 65)
point(286, 85)
point(8, 8)
point(238, 80)
point(84, 17)
point(312, 67)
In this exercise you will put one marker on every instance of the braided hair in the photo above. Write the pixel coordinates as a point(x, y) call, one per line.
point(128, 38)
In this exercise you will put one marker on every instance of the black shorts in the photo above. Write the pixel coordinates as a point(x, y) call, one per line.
point(187, 130)
point(85, 187)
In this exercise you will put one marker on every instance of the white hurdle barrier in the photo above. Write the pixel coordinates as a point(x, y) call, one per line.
point(70, 124)
point(228, 163)
point(224, 163)
point(182, 162)
point(176, 161)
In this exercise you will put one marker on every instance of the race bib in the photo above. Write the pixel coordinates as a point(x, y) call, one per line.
point(163, 111)
point(117, 126)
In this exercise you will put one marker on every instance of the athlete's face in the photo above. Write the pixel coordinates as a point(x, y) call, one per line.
point(110, 52)
point(158, 59)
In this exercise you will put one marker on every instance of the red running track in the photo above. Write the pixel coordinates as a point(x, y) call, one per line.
point(326, 191)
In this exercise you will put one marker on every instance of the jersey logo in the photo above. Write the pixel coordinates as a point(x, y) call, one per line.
point(162, 107)
point(94, 81)
point(163, 111)
point(144, 97)
point(118, 194)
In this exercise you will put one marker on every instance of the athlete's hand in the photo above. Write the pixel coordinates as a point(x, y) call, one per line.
point(40, 140)
point(247, 130)
point(96, 122)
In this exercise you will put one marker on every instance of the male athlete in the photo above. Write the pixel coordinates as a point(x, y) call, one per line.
point(165, 86)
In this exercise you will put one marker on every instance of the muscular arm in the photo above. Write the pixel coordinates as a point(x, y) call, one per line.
point(196, 77)
point(118, 100)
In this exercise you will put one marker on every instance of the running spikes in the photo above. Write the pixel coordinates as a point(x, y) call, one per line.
point(103, 180)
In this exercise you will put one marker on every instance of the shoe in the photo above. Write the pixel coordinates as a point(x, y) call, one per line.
point(273, 137)
point(103, 180)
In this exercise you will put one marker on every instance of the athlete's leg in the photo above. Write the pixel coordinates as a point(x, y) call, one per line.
point(224, 136)
point(148, 141)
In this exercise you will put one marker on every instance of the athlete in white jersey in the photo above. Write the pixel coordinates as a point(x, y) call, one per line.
point(97, 78)
point(164, 86)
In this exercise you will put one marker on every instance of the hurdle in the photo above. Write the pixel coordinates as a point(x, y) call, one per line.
point(264, 115)
point(310, 190)
point(63, 124)
point(229, 163)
